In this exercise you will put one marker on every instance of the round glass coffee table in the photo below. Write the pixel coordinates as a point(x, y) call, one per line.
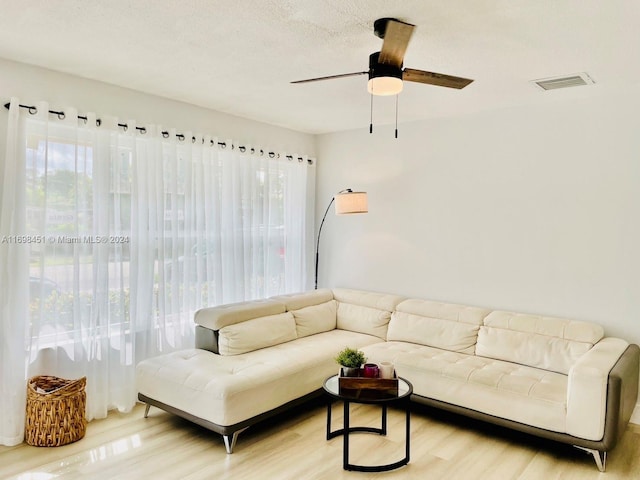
point(384, 399)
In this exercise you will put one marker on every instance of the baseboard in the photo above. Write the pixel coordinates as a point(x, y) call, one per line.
point(635, 416)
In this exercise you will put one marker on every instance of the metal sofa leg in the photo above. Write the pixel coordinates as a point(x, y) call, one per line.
point(598, 456)
point(230, 440)
point(146, 410)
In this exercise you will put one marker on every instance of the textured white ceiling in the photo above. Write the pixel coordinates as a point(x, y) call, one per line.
point(238, 56)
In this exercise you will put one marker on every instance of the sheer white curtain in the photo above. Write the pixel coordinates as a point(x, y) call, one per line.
point(110, 239)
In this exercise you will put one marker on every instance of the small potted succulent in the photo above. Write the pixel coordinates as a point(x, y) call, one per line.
point(351, 360)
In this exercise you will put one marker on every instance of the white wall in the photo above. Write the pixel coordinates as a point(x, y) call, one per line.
point(32, 84)
point(531, 209)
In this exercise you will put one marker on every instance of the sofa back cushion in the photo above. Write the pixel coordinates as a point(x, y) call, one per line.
point(297, 301)
point(314, 312)
point(549, 343)
point(315, 318)
point(364, 312)
point(220, 316)
point(441, 325)
point(257, 333)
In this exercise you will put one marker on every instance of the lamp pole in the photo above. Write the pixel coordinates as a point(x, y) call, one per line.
point(318, 242)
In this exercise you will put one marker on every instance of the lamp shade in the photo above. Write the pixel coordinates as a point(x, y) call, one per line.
point(351, 202)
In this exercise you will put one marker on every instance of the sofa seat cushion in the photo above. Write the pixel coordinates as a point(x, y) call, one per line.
point(517, 392)
point(227, 390)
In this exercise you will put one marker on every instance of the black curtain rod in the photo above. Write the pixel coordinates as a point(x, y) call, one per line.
point(61, 115)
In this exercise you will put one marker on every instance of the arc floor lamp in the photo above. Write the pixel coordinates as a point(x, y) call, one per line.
point(347, 202)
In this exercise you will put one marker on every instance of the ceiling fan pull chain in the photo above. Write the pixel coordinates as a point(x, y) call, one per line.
point(397, 115)
point(371, 116)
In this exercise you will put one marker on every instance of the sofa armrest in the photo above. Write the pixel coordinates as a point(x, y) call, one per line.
point(207, 339)
point(587, 389)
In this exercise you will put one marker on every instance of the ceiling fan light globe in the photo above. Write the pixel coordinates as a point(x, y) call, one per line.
point(384, 86)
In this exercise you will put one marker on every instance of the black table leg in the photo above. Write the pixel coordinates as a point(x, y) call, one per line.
point(329, 420)
point(408, 433)
point(345, 436)
point(383, 428)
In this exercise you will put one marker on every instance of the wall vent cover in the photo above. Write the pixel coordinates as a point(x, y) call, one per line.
point(568, 81)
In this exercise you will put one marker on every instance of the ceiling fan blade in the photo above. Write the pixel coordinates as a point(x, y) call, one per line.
point(330, 77)
point(431, 78)
point(396, 39)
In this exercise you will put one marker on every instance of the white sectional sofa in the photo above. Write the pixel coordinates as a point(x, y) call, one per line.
point(555, 378)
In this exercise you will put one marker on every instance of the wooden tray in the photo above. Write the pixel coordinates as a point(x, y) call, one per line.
point(368, 388)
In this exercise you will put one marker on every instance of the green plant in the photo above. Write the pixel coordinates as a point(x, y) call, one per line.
point(351, 358)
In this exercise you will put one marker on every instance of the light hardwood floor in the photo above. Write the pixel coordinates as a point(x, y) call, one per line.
point(293, 446)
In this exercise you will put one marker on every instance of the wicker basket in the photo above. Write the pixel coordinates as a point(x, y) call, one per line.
point(55, 411)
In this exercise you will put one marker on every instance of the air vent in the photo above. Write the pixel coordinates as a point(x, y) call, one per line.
point(564, 82)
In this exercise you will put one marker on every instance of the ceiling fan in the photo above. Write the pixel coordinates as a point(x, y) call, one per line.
point(386, 72)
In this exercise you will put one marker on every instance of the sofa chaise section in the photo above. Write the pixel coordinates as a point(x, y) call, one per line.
point(256, 359)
